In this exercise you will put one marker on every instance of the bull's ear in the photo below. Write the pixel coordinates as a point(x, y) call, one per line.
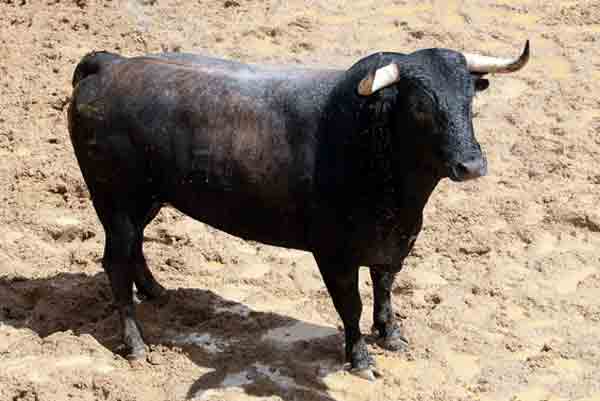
point(379, 79)
point(481, 84)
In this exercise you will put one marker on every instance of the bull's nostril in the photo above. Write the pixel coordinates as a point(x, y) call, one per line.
point(471, 169)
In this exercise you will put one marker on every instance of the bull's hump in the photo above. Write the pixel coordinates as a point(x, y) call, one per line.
point(228, 69)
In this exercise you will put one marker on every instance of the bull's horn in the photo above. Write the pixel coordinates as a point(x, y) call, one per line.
point(384, 76)
point(485, 64)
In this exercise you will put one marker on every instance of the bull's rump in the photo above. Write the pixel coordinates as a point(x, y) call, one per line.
point(215, 143)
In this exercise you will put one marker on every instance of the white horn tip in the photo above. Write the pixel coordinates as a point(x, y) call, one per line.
point(523, 58)
point(525, 53)
point(487, 64)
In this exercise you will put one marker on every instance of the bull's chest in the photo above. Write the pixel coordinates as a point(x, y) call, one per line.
point(386, 241)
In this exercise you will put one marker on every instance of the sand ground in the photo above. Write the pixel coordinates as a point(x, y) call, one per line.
point(500, 297)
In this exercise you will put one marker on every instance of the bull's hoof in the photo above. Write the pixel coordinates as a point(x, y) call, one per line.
point(364, 373)
point(132, 354)
point(396, 342)
point(362, 363)
point(393, 340)
point(137, 354)
point(367, 371)
point(133, 348)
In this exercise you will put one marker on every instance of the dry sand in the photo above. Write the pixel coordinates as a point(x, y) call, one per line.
point(500, 297)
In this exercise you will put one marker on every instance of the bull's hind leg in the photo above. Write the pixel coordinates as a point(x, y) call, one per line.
point(389, 332)
point(118, 263)
point(145, 282)
point(123, 219)
point(116, 176)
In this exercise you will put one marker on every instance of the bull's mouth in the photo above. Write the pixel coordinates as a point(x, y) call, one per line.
point(469, 170)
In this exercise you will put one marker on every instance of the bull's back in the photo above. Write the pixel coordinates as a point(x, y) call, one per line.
point(221, 142)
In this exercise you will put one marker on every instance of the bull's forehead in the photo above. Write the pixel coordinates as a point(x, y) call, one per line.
point(444, 72)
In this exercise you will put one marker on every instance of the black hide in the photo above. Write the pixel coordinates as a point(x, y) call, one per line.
point(289, 157)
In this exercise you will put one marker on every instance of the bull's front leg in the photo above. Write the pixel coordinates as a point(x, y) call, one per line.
point(342, 283)
point(384, 324)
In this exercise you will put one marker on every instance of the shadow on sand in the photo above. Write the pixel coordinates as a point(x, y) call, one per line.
point(214, 332)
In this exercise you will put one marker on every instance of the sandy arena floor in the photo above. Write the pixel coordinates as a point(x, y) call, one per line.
point(500, 298)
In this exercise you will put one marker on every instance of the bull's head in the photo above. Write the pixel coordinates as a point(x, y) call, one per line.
point(435, 93)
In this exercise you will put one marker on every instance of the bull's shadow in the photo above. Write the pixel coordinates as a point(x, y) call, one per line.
point(214, 332)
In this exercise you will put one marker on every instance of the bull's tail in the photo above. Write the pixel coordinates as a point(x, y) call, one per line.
point(91, 63)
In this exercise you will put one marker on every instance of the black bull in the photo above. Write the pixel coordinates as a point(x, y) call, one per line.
point(306, 159)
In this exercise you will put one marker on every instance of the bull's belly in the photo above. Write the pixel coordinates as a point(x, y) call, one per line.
point(278, 224)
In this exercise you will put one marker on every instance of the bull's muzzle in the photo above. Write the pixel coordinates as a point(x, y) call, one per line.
point(468, 170)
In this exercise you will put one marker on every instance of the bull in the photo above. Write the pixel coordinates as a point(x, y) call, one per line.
point(336, 162)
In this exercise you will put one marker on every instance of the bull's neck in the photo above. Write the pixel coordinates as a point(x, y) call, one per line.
point(394, 173)
point(360, 159)
point(371, 168)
